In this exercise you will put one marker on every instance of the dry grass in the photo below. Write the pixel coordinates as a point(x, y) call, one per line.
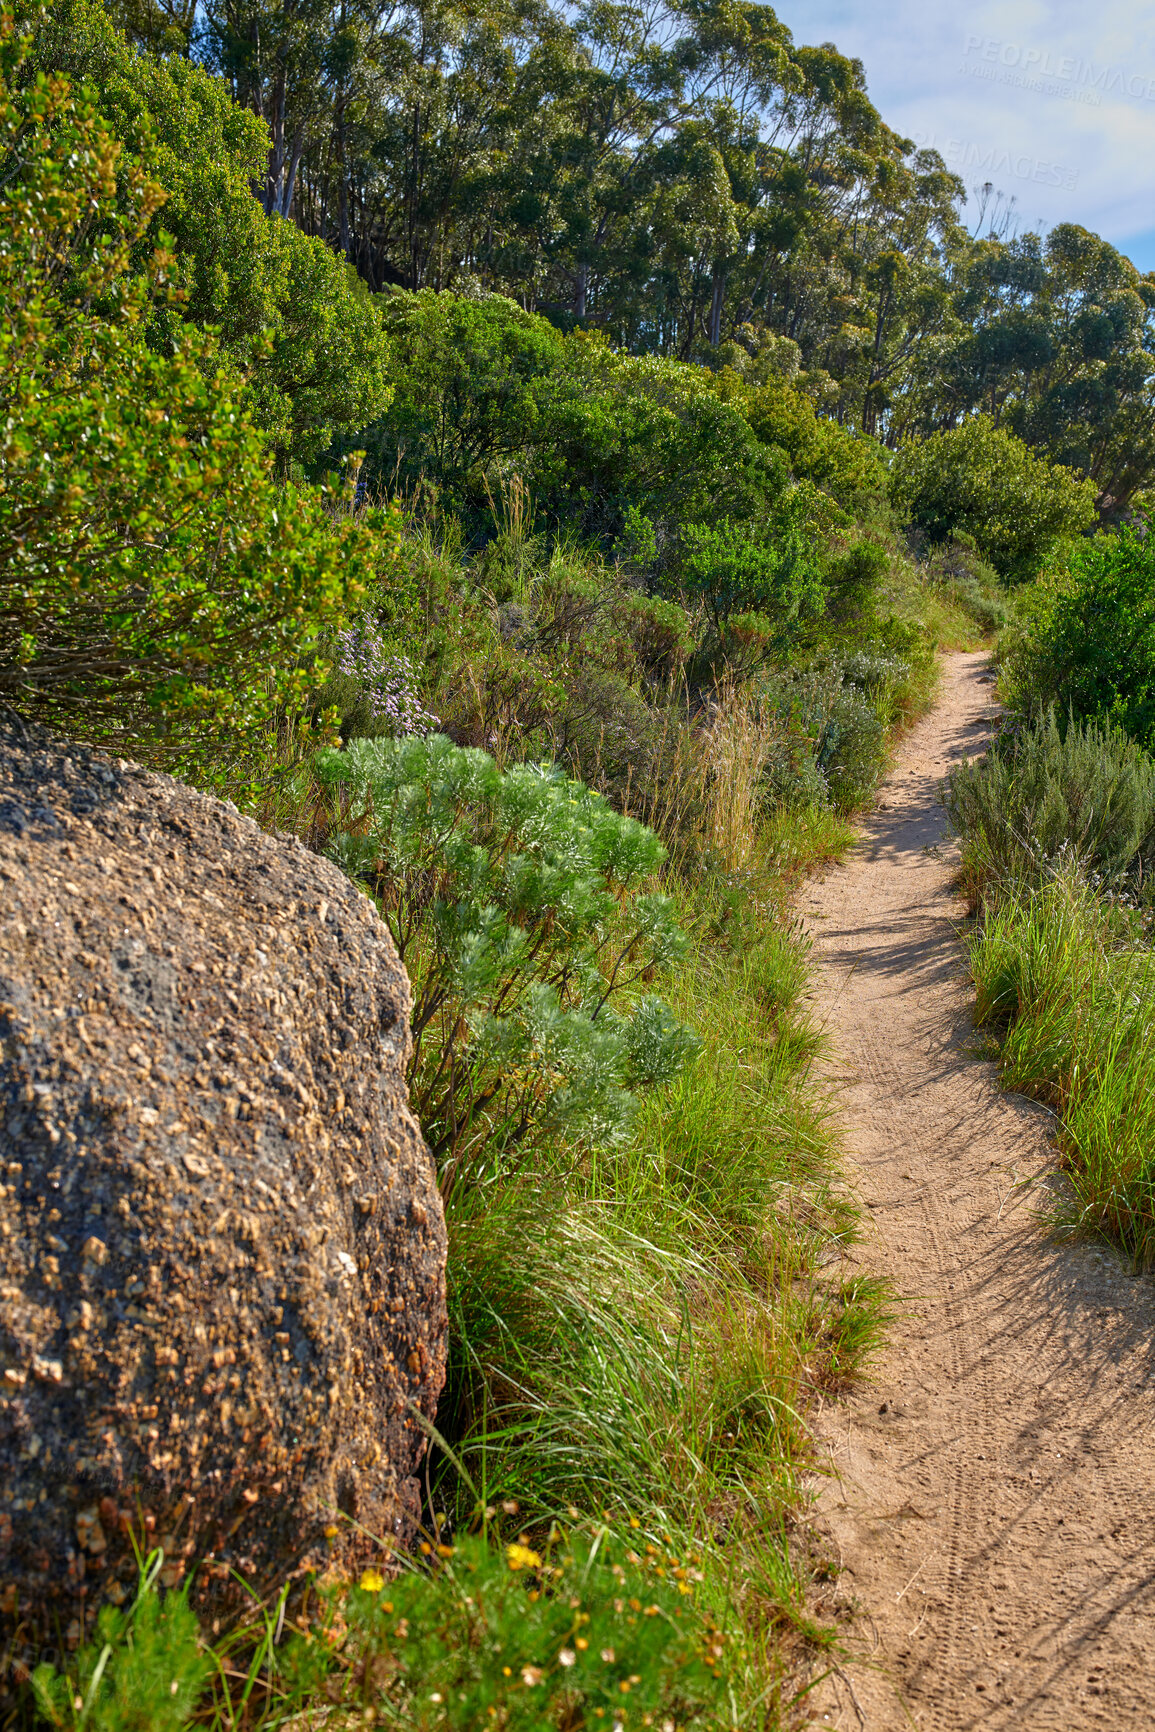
point(736, 743)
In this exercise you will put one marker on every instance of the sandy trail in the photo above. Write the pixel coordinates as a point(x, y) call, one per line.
point(993, 1503)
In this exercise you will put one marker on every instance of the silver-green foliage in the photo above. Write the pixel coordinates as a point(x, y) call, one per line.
point(830, 739)
point(1086, 790)
point(519, 903)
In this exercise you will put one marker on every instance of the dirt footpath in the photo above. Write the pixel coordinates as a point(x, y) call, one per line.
point(993, 1498)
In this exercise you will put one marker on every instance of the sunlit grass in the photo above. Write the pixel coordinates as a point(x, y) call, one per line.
point(645, 1328)
point(1066, 989)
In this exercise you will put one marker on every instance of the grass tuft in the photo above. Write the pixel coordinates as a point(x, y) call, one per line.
point(1066, 990)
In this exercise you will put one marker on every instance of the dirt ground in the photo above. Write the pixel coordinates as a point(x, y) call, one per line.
point(992, 1489)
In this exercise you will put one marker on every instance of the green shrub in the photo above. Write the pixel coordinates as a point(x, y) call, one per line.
point(851, 467)
point(294, 325)
point(518, 904)
point(475, 382)
point(1086, 638)
point(144, 1671)
point(659, 630)
point(831, 740)
point(1044, 791)
point(152, 576)
point(573, 1629)
point(606, 732)
point(981, 480)
point(853, 582)
point(742, 567)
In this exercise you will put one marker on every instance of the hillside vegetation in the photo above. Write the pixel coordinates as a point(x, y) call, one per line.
point(535, 457)
point(1058, 828)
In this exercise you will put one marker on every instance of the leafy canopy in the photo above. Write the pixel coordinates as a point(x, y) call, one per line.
point(981, 480)
point(152, 574)
point(291, 317)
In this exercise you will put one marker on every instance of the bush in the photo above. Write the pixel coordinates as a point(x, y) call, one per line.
point(294, 324)
point(831, 739)
point(632, 1327)
point(851, 467)
point(606, 733)
point(981, 480)
point(1086, 639)
point(153, 580)
point(571, 1629)
point(517, 904)
point(1044, 791)
point(854, 579)
point(529, 1637)
point(740, 567)
point(475, 382)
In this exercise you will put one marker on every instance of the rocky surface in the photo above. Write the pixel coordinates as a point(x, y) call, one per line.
point(222, 1252)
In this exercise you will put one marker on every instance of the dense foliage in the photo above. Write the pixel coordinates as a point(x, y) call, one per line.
point(1055, 344)
point(152, 574)
point(694, 183)
point(518, 904)
point(1086, 636)
point(290, 318)
point(981, 481)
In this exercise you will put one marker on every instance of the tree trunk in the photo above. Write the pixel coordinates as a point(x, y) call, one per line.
point(717, 302)
point(277, 152)
point(344, 233)
point(581, 286)
point(286, 203)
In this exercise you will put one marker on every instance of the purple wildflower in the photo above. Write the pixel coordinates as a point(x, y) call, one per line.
point(389, 680)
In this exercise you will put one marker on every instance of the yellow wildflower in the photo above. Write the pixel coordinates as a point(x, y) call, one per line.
point(521, 1557)
point(372, 1581)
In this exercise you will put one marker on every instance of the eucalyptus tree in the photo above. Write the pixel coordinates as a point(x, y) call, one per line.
point(1056, 341)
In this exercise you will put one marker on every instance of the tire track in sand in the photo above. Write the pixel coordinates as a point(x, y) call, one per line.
point(992, 1497)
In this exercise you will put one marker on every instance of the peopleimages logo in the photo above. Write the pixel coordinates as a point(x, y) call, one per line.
point(965, 155)
point(1065, 76)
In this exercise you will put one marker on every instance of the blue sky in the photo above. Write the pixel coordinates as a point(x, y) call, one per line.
point(1053, 103)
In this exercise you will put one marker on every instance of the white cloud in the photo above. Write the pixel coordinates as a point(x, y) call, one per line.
point(1054, 103)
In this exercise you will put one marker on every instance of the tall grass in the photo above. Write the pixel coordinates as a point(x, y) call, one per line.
point(644, 1329)
point(736, 748)
point(1066, 988)
point(1055, 825)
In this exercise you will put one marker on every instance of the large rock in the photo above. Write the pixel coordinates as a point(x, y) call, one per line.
point(222, 1251)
